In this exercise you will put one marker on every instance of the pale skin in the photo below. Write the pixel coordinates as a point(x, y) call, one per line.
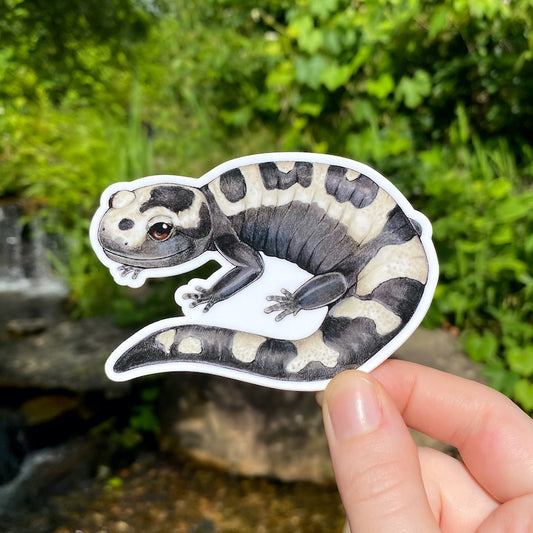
point(388, 485)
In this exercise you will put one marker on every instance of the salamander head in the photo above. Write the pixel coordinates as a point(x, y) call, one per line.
point(155, 226)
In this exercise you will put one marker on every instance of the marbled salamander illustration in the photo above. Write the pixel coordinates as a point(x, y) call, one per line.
point(369, 253)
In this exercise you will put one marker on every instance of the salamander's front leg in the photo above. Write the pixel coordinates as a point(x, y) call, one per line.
point(317, 292)
point(248, 267)
point(202, 296)
point(126, 270)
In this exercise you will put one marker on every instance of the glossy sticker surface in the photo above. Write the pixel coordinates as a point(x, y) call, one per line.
point(324, 266)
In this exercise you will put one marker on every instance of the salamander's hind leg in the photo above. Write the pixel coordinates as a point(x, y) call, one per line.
point(317, 292)
point(286, 304)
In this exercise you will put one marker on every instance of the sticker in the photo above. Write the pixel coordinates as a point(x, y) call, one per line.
point(324, 266)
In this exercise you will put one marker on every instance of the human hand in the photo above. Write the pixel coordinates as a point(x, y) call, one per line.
point(388, 485)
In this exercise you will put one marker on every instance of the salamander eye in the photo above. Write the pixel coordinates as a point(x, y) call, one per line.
point(160, 231)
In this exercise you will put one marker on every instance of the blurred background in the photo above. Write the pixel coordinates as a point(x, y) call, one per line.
point(434, 95)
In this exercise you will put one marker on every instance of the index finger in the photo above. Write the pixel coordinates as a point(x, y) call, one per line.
point(492, 434)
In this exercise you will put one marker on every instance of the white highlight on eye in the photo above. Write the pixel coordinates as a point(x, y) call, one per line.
point(245, 346)
point(385, 320)
point(313, 349)
point(406, 260)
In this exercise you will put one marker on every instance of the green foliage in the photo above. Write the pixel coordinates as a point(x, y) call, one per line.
point(69, 46)
point(144, 417)
point(138, 424)
point(480, 204)
point(436, 95)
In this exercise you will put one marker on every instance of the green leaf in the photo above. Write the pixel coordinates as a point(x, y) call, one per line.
point(310, 108)
point(237, 117)
point(438, 21)
point(499, 377)
point(507, 262)
point(520, 359)
point(322, 8)
point(309, 70)
point(363, 111)
point(502, 235)
point(335, 76)
point(523, 393)
point(282, 75)
point(515, 207)
point(308, 37)
point(413, 90)
point(471, 247)
point(500, 188)
point(381, 87)
point(462, 122)
point(481, 347)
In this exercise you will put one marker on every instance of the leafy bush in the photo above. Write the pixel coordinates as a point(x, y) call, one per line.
point(482, 219)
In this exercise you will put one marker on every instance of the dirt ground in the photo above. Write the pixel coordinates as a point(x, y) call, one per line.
point(159, 495)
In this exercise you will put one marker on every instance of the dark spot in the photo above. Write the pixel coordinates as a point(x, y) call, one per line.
point(304, 173)
point(172, 197)
point(400, 295)
point(398, 229)
point(416, 225)
point(355, 339)
point(270, 176)
point(233, 185)
point(273, 354)
point(126, 224)
point(203, 227)
point(365, 192)
point(360, 192)
point(274, 178)
point(335, 176)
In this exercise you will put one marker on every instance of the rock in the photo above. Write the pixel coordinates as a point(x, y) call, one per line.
point(254, 431)
point(46, 472)
point(42, 409)
point(439, 349)
point(13, 444)
point(68, 355)
point(21, 327)
point(245, 429)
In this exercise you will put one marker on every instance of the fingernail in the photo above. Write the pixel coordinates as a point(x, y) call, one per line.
point(355, 409)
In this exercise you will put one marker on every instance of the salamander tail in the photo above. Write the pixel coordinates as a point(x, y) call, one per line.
point(305, 364)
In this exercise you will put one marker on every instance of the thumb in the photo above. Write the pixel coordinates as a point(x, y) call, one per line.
point(374, 458)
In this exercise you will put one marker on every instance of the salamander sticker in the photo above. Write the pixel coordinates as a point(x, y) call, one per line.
point(324, 266)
